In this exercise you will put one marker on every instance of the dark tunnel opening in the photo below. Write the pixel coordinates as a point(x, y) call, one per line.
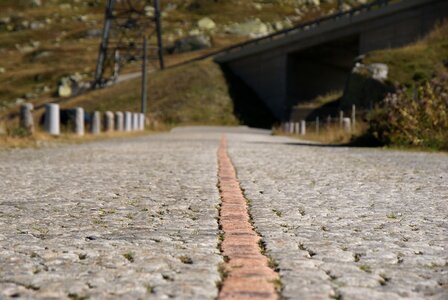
point(249, 108)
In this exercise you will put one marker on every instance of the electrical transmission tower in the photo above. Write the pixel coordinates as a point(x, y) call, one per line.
point(127, 23)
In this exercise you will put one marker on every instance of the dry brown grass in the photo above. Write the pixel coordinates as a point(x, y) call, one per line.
point(42, 139)
point(328, 134)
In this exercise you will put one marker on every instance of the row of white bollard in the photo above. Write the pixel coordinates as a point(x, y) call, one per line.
point(300, 127)
point(117, 121)
point(295, 127)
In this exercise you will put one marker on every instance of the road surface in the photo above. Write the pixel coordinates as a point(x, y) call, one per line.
point(138, 218)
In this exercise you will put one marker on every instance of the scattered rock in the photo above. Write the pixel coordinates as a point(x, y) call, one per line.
point(83, 18)
point(206, 24)
point(64, 89)
point(2, 70)
point(191, 43)
point(253, 28)
point(149, 11)
point(93, 33)
point(65, 6)
point(36, 3)
point(377, 71)
point(35, 25)
point(5, 20)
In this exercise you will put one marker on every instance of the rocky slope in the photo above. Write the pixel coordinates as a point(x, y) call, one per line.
point(46, 43)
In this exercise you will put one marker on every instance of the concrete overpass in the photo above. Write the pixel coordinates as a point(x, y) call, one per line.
point(300, 63)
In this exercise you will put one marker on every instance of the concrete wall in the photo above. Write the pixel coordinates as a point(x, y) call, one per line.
point(402, 28)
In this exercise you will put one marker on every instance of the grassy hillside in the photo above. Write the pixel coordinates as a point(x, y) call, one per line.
point(190, 94)
point(43, 41)
point(416, 63)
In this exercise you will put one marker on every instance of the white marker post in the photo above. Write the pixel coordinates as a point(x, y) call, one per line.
point(95, 127)
point(303, 127)
point(52, 119)
point(108, 121)
point(26, 117)
point(119, 121)
point(79, 121)
point(127, 121)
point(347, 125)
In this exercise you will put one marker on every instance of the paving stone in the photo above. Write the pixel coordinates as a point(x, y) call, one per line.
point(368, 223)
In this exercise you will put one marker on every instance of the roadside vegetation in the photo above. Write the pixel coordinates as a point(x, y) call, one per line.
point(414, 116)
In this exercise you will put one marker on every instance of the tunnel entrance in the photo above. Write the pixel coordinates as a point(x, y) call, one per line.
point(319, 70)
point(248, 107)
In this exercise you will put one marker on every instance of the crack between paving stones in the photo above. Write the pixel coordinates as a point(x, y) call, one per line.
point(247, 272)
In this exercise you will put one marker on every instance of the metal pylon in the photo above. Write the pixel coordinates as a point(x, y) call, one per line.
point(126, 23)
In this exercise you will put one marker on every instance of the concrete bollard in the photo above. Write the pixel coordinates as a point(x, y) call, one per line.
point(142, 122)
point(341, 119)
point(79, 121)
point(108, 121)
point(328, 120)
point(303, 127)
point(297, 128)
point(119, 121)
point(135, 121)
point(127, 121)
point(26, 117)
point(347, 125)
point(353, 116)
point(291, 127)
point(95, 126)
point(52, 119)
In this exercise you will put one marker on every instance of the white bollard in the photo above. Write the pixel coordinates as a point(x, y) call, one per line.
point(354, 116)
point(79, 121)
point(95, 127)
point(291, 127)
point(52, 119)
point(303, 127)
point(127, 121)
point(108, 121)
point(135, 121)
point(26, 117)
point(142, 122)
point(341, 119)
point(347, 125)
point(297, 128)
point(119, 121)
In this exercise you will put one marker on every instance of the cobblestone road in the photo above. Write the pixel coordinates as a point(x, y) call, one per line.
point(349, 223)
point(137, 218)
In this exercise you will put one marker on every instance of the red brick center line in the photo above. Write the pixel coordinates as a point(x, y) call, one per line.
point(249, 275)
